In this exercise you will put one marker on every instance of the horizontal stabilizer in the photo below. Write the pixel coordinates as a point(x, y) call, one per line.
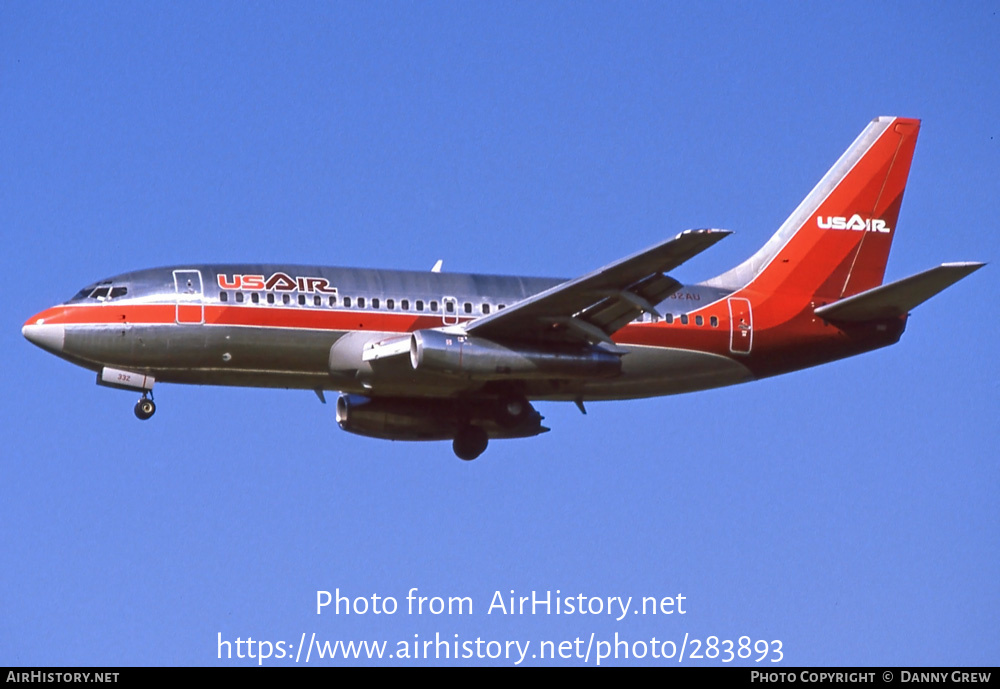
point(897, 298)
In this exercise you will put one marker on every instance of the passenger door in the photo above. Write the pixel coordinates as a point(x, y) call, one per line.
point(190, 301)
point(740, 326)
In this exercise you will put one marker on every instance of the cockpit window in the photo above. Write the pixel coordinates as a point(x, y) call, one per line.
point(102, 290)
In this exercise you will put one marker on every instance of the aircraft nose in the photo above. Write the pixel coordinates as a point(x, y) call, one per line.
point(48, 336)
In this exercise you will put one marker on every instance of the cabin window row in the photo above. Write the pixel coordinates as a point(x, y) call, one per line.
point(432, 305)
point(683, 319)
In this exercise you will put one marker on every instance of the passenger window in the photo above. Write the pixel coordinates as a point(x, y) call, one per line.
point(501, 306)
point(223, 296)
point(239, 297)
point(270, 297)
point(390, 304)
point(420, 305)
point(302, 300)
point(449, 307)
point(405, 305)
point(347, 302)
point(361, 302)
point(375, 303)
point(255, 298)
point(684, 319)
point(434, 306)
point(285, 299)
point(486, 308)
point(333, 301)
point(317, 300)
point(698, 320)
point(714, 321)
point(669, 317)
point(468, 307)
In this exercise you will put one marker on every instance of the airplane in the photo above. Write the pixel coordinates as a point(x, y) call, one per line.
point(446, 356)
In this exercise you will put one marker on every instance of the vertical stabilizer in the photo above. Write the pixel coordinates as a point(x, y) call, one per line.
point(836, 243)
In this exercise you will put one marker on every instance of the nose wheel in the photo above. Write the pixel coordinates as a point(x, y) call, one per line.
point(144, 408)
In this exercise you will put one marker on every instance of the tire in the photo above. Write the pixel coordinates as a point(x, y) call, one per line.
point(470, 442)
point(512, 410)
point(144, 409)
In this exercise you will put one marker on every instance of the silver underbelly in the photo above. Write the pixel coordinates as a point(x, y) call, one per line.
point(287, 358)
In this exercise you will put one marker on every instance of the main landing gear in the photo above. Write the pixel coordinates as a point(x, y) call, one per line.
point(510, 412)
point(470, 442)
point(145, 407)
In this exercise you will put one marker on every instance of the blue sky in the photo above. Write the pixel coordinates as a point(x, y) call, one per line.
point(849, 511)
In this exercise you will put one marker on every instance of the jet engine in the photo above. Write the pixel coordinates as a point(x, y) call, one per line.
point(470, 422)
point(435, 351)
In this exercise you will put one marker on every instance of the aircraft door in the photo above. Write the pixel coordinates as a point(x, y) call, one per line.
point(740, 326)
point(190, 302)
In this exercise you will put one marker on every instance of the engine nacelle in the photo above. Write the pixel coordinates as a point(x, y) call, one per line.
point(407, 418)
point(435, 351)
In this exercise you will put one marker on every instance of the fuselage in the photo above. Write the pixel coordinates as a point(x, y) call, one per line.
point(276, 326)
point(432, 356)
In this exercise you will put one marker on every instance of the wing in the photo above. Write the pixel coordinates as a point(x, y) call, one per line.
point(592, 307)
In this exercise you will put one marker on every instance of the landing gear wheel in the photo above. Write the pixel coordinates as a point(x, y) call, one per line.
point(470, 442)
point(511, 410)
point(144, 408)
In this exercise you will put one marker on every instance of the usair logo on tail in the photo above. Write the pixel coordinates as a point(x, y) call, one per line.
point(856, 222)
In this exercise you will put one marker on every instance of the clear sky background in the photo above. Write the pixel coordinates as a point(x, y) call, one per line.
point(849, 511)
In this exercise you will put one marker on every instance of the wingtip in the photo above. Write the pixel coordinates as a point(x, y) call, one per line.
point(707, 231)
point(970, 266)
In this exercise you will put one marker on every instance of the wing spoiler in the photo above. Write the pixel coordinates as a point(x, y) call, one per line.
point(897, 298)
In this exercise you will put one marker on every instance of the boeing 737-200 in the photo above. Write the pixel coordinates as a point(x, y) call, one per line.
point(439, 356)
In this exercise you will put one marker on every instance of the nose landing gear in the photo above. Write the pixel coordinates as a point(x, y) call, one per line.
point(144, 408)
point(134, 381)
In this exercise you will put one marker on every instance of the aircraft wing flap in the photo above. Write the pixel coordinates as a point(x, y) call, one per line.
point(602, 301)
point(618, 308)
point(897, 298)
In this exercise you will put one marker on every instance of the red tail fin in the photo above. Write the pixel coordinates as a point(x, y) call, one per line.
point(837, 241)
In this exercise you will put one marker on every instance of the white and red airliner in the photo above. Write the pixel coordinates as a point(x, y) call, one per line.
point(435, 356)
